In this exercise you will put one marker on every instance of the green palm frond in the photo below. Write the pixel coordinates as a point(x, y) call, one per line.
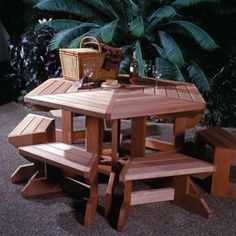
point(158, 16)
point(168, 70)
point(63, 38)
point(103, 6)
point(59, 24)
point(63, 24)
point(199, 35)
point(133, 9)
point(163, 12)
point(108, 32)
point(76, 42)
point(188, 3)
point(93, 32)
point(172, 50)
point(124, 65)
point(138, 51)
point(73, 7)
point(137, 27)
point(120, 8)
point(160, 50)
point(198, 77)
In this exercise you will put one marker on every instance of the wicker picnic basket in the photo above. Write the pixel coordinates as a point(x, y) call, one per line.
point(103, 60)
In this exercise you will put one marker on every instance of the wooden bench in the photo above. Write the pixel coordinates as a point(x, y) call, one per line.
point(33, 129)
point(182, 191)
point(72, 162)
point(222, 145)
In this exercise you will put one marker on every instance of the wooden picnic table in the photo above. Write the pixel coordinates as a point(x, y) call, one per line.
point(178, 101)
point(181, 102)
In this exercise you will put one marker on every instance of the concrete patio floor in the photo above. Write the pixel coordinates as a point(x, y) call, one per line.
point(56, 214)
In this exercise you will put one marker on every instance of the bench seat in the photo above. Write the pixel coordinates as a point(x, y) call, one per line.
point(181, 191)
point(163, 165)
point(72, 161)
point(221, 150)
point(33, 129)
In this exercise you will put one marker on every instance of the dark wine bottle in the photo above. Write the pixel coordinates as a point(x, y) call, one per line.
point(134, 70)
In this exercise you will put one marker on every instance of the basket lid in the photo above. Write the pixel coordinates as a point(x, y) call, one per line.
point(78, 50)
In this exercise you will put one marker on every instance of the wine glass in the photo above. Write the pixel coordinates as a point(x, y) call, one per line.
point(147, 66)
point(88, 70)
point(88, 73)
point(156, 74)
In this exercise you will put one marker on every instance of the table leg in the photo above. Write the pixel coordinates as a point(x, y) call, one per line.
point(93, 135)
point(179, 131)
point(138, 136)
point(67, 126)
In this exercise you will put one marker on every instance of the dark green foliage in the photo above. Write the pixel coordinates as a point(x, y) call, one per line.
point(221, 100)
point(155, 29)
point(32, 60)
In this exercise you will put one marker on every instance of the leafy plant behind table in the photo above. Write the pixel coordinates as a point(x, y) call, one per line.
point(155, 29)
point(32, 60)
point(221, 100)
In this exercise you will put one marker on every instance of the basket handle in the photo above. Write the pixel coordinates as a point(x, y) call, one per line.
point(86, 41)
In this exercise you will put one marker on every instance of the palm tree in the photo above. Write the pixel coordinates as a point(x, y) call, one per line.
point(154, 29)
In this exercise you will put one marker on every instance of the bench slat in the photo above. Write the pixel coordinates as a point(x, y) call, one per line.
point(218, 137)
point(175, 166)
point(59, 158)
point(22, 125)
point(32, 126)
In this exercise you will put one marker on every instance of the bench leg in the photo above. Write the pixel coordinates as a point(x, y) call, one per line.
point(188, 197)
point(124, 210)
point(108, 197)
point(23, 173)
point(91, 206)
point(39, 185)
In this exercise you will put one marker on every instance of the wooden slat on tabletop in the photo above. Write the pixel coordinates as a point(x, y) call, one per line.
point(85, 101)
point(93, 96)
point(41, 87)
point(194, 93)
point(58, 102)
point(161, 91)
point(88, 104)
point(183, 92)
point(171, 92)
point(65, 85)
point(53, 87)
point(132, 97)
point(153, 107)
point(149, 90)
point(72, 88)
